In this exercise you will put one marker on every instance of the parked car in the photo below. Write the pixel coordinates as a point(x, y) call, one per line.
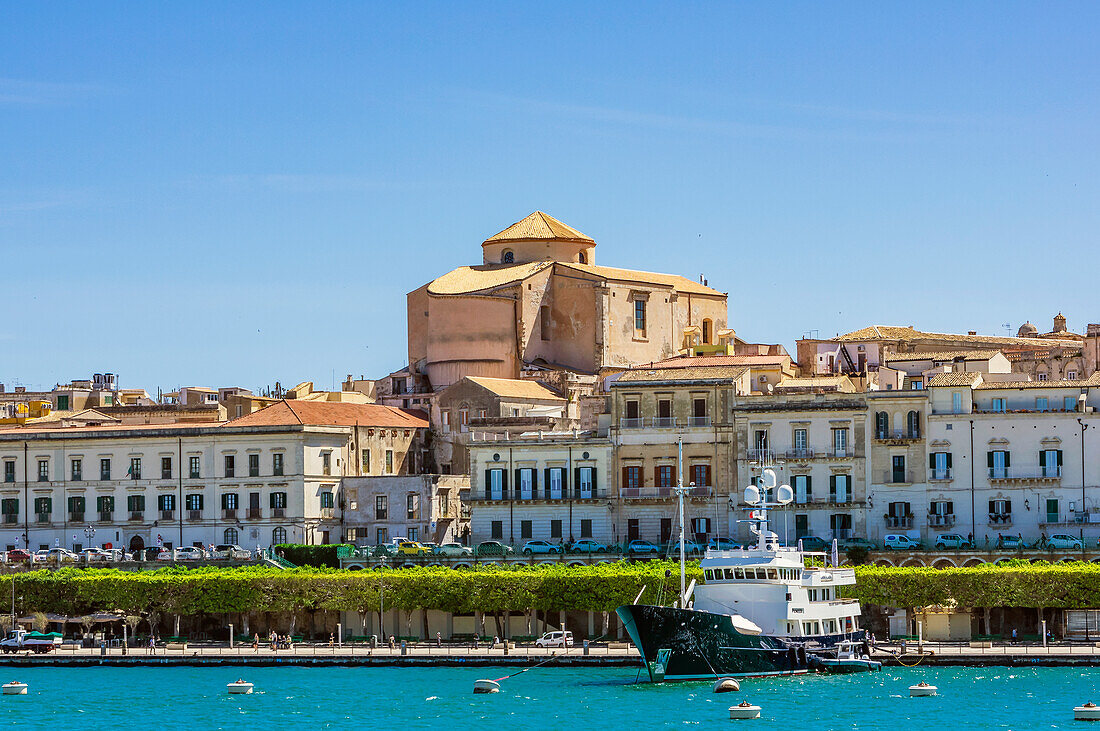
point(639, 547)
point(899, 542)
point(117, 554)
point(587, 545)
point(691, 548)
point(492, 548)
point(555, 639)
point(533, 547)
point(1010, 543)
point(183, 553)
point(455, 549)
point(1064, 541)
point(18, 554)
point(54, 555)
point(815, 544)
point(95, 555)
point(411, 548)
point(432, 547)
point(721, 544)
point(849, 543)
point(945, 541)
point(231, 552)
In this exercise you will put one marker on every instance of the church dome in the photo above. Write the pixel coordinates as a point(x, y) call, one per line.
point(1027, 330)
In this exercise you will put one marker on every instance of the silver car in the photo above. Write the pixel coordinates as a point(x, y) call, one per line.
point(456, 550)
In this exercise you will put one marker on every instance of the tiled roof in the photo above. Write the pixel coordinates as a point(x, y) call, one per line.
point(515, 388)
point(55, 427)
point(814, 382)
point(673, 281)
point(965, 378)
point(330, 413)
point(890, 332)
point(944, 355)
point(695, 373)
point(687, 361)
point(1093, 380)
point(465, 280)
point(538, 226)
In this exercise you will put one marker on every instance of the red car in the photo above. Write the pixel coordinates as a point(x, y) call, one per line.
point(18, 554)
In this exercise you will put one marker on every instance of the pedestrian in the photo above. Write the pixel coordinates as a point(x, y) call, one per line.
point(496, 639)
point(393, 644)
point(1014, 635)
point(331, 640)
point(477, 642)
point(152, 645)
point(438, 640)
point(970, 539)
point(256, 641)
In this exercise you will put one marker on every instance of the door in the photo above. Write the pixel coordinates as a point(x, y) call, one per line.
point(801, 526)
point(666, 530)
point(137, 543)
point(898, 468)
point(633, 530)
point(1052, 510)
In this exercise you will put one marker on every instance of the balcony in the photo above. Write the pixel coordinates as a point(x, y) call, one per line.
point(897, 435)
point(631, 423)
point(761, 455)
point(663, 422)
point(697, 422)
point(137, 515)
point(899, 521)
point(661, 493)
point(166, 474)
point(842, 534)
point(76, 517)
point(106, 516)
point(1011, 474)
point(167, 514)
point(42, 518)
point(1000, 519)
point(229, 513)
point(278, 512)
point(327, 512)
point(840, 499)
point(800, 453)
point(897, 477)
point(936, 520)
point(255, 514)
point(11, 518)
point(936, 475)
point(194, 515)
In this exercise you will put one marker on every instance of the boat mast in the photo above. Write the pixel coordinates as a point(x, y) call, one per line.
point(680, 495)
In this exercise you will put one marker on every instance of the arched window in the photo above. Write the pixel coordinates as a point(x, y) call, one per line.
point(278, 536)
point(230, 536)
point(582, 258)
point(707, 330)
point(882, 424)
point(912, 423)
point(507, 257)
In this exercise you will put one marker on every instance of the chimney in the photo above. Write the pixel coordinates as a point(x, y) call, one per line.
point(972, 332)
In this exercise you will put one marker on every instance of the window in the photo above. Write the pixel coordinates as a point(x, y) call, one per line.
point(9, 470)
point(230, 536)
point(555, 529)
point(1071, 375)
point(364, 462)
point(76, 508)
point(1052, 510)
point(708, 328)
point(1000, 511)
point(43, 470)
point(278, 535)
point(525, 529)
point(840, 489)
point(135, 468)
point(912, 424)
point(760, 440)
point(412, 506)
point(1050, 460)
point(278, 500)
point(639, 317)
point(105, 468)
point(494, 484)
point(998, 405)
point(326, 463)
point(998, 461)
point(445, 421)
point(957, 402)
point(554, 483)
point(136, 504)
point(389, 461)
point(700, 527)
point(166, 468)
point(840, 442)
point(940, 465)
point(633, 529)
point(544, 322)
point(381, 535)
point(194, 501)
point(193, 463)
point(882, 425)
point(9, 507)
point(166, 503)
point(229, 501)
point(380, 509)
point(803, 488)
point(277, 464)
point(43, 506)
point(916, 384)
point(666, 530)
point(700, 475)
point(326, 499)
point(632, 410)
point(507, 257)
point(1041, 404)
point(666, 476)
point(463, 420)
point(105, 504)
point(586, 482)
point(526, 479)
point(897, 467)
point(1069, 403)
point(253, 465)
point(496, 529)
point(1040, 376)
point(632, 477)
point(586, 527)
point(799, 441)
point(77, 471)
point(63, 403)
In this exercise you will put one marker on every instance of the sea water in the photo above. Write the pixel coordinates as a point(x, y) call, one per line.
point(441, 699)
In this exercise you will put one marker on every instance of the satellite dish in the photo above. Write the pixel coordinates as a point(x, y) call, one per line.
point(784, 495)
point(752, 495)
point(767, 479)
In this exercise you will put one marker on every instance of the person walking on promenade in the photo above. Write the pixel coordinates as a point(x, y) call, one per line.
point(393, 644)
point(1014, 635)
point(477, 642)
point(438, 640)
point(152, 645)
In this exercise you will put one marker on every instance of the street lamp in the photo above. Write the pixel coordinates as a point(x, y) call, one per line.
point(381, 599)
point(89, 533)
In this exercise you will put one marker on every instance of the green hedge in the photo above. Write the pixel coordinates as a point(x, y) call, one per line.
point(300, 554)
point(517, 589)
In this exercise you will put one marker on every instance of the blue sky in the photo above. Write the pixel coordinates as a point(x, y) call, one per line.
point(238, 193)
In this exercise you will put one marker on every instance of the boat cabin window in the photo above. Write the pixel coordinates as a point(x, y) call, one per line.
point(707, 575)
point(830, 626)
point(771, 574)
point(738, 573)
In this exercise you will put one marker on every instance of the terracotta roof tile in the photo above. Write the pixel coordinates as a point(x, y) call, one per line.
point(1093, 380)
point(539, 226)
point(331, 413)
point(891, 332)
point(673, 281)
point(515, 388)
point(944, 355)
point(956, 378)
point(695, 373)
point(465, 280)
point(688, 361)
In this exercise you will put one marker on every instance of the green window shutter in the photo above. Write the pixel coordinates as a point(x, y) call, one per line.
point(271, 500)
point(1041, 457)
point(809, 485)
point(1008, 458)
point(931, 460)
point(832, 485)
point(989, 459)
point(948, 460)
point(1059, 457)
point(488, 483)
point(546, 482)
point(577, 479)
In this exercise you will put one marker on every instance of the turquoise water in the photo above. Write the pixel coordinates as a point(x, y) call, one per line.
point(545, 698)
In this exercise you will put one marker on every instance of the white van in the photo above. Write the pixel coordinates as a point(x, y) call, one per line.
point(555, 639)
point(899, 542)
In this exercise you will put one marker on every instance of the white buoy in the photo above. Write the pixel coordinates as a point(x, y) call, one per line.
point(921, 690)
point(15, 688)
point(239, 687)
point(1088, 712)
point(726, 685)
point(744, 710)
point(486, 686)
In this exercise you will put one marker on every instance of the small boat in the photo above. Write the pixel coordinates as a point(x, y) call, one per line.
point(849, 659)
point(922, 690)
point(15, 688)
point(486, 686)
point(726, 685)
point(744, 710)
point(239, 687)
point(1088, 712)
